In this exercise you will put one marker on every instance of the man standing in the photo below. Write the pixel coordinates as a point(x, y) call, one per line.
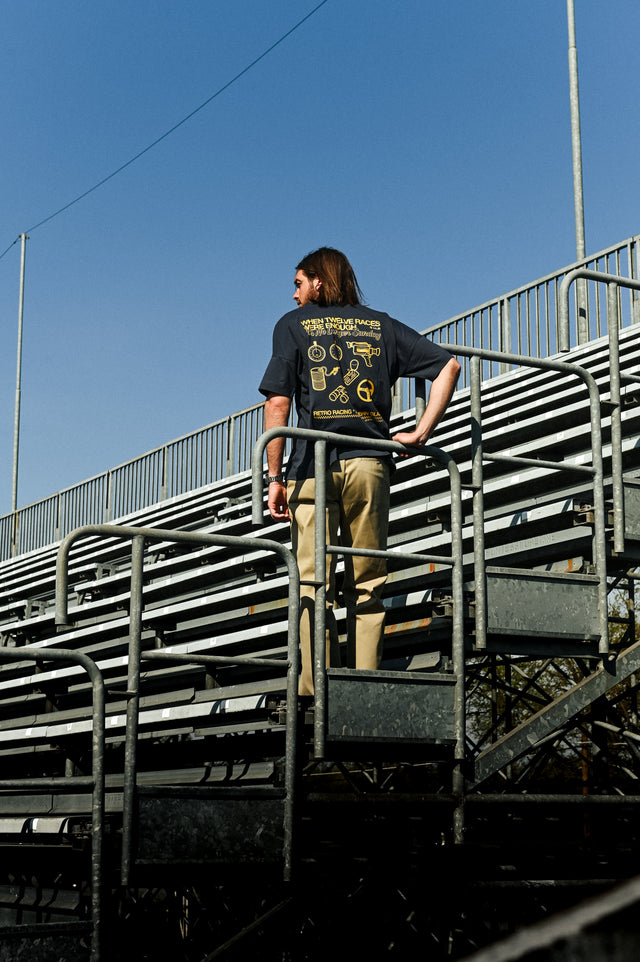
point(340, 359)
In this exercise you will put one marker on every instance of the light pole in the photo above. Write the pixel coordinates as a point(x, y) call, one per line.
point(578, 200)
point(16, 418)
point(576, 144)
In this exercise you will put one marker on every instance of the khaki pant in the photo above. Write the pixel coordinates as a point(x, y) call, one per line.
point(357, 506)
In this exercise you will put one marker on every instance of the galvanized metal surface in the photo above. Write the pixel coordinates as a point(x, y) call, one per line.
point(455, 560)
point(595, 470)
point(541, 727)
point(16, 416)
point(553, 716)
point(614, 320)
point(384, 708)
point(210, 826)
point(631, 510)
point(542, 604)
point(527, 319)
point(576, 140)
point(95, 783)
point(138, 536)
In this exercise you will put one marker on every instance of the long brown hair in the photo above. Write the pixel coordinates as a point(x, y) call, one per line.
point(339, 284)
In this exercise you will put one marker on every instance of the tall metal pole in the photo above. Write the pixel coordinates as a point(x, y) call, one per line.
point(16, 419)
point(578, 200)
point(575, 133)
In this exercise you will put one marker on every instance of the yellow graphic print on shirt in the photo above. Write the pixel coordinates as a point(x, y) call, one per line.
point(356, 335)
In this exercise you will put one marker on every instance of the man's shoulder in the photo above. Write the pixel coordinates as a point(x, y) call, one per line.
point(330, 310)
point(288, 318)
point(313, 319)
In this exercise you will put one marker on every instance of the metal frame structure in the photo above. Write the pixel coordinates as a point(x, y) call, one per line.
point(95, 782)
point(454, 559)
point(473, 767)
point(595, 472)
point(533, 318)
point(138, 538)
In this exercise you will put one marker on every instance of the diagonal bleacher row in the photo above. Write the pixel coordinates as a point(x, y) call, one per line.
point(196, 720)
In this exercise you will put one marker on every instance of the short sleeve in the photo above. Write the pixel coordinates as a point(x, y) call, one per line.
point(280, 375)
point(279, 378)
point(416, 355)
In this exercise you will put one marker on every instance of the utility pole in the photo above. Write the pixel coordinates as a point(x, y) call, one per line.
point(576, 149)
point(16, 419)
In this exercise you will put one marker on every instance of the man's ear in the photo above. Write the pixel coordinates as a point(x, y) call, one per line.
point(317, 283)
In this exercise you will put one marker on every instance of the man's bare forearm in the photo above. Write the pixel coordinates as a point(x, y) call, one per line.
point(276, 415)
point(439, 397)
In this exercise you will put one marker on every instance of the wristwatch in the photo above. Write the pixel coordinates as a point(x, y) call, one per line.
point(276, 478)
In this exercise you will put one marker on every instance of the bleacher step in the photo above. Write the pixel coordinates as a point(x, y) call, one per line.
point(389, 708)
point(210, 825)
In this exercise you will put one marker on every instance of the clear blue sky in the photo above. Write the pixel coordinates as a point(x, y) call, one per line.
point(430, 140)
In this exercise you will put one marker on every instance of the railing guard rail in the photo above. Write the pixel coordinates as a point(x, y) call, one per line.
point(596, 472)
point(613, 282)
point(138, 537)
point(321, 439)
point(95, 781)
point(529, 316)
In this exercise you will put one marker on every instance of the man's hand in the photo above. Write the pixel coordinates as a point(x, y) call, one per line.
point(278, 506)
point(439, 396)
point(406, 437)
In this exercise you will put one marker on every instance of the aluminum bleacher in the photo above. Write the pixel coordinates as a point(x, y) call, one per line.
point(203, 598)
point(205, 723)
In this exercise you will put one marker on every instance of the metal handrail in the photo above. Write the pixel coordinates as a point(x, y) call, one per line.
point(455, 560)
point(527, 316)
point(595, 471)
point(96, 781)
point(527, 321)
point(613, 282)
point(582, 273)
point(138, 537)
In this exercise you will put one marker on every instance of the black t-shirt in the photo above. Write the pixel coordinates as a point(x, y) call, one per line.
point(340, 364)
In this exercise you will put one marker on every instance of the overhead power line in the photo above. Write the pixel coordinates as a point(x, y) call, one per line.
point(171, 130)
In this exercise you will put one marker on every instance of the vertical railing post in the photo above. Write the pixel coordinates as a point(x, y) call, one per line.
point(231, 440)
point(320, 615)
point(291, 742)
point(97, 803)
point(15, 515)
point(97, 779)
point(164, 473)
point(582, 311)
point(457, 649)
point(599, 530)
point(421, 398)
point(504, 331)
point(477, 484)
point(133, 704)
point(58, 523)
point(616, 417)
point(396, 397)
point(108, 507)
